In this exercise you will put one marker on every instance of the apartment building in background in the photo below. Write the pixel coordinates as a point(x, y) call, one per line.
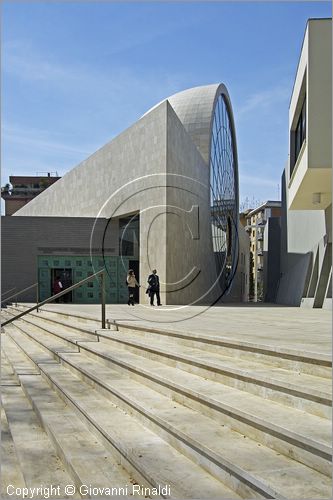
point(22, 189)
point(258, 223)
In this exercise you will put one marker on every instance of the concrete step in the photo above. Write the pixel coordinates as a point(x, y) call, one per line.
point(313, 363)
point(206, 441)
point(294, 433)
point(8, 376)
point(23, 364)
point(218, 452)
point(36, 458)
point(85, 321)
point(64, 331)
point(50, 342)
point(86, 460)
point(299, 390)
point(151, 376)
point(145, 454)
point(11, 473)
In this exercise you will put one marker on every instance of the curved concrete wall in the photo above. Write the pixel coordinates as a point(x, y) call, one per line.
point(159, 167)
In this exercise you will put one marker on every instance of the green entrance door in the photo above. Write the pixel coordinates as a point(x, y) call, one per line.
point(80, 267)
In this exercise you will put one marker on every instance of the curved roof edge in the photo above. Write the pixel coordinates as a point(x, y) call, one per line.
point(195, 109)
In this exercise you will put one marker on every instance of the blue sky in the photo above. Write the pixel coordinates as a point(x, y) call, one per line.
point(75, 74)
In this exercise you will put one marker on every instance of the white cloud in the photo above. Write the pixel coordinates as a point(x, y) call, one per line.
point(92, 103)
point(40, 140)
point(26, 63)
point(264, 100)
point(28, 151)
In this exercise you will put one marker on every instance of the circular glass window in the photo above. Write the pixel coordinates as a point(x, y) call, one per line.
point(223, 195)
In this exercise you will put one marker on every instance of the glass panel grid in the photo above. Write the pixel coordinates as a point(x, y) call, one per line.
point(223, 194)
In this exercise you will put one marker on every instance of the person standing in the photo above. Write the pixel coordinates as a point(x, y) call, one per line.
point(131, 284)
point(66, 282)
point(154, 288)
point(57, 288)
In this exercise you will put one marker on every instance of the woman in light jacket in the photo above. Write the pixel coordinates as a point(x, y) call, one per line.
point(131, 284)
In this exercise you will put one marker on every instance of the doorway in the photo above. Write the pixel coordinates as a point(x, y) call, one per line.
point(65, 276)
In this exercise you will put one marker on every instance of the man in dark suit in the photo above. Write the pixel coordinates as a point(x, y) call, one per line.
point(154, 288)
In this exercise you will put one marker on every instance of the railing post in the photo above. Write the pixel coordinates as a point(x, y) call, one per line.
point(103, 299)
point(37, 296)
point(16, 301)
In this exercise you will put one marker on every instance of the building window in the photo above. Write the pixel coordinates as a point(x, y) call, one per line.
point(223, 191)
point(300, 131)
point(129, 234)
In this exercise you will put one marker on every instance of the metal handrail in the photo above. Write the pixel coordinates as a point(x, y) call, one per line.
point(16, 294)
point(60, 294)
point(10, 290)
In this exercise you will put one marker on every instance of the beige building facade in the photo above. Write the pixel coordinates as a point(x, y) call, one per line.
point(310, 122)
point(306, 229)
point(256, 227)
point(169, 173)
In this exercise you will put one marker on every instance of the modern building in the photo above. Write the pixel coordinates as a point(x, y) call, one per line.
point(163, 194)
point(21, 190)
point(259, 222)
point(306, 224)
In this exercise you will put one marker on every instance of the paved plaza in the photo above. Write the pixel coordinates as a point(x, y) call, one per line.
point(306, 330)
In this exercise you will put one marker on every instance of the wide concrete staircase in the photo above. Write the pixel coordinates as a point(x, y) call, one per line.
point(206, 417)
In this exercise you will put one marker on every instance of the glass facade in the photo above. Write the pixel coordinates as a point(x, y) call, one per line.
point(224, 194)
point(129, 235)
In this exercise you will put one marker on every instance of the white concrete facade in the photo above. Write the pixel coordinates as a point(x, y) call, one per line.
point(310, 173)
point(306, 229)
point(159, 168)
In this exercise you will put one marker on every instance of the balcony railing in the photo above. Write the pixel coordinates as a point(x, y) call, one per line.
point(261, 222)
